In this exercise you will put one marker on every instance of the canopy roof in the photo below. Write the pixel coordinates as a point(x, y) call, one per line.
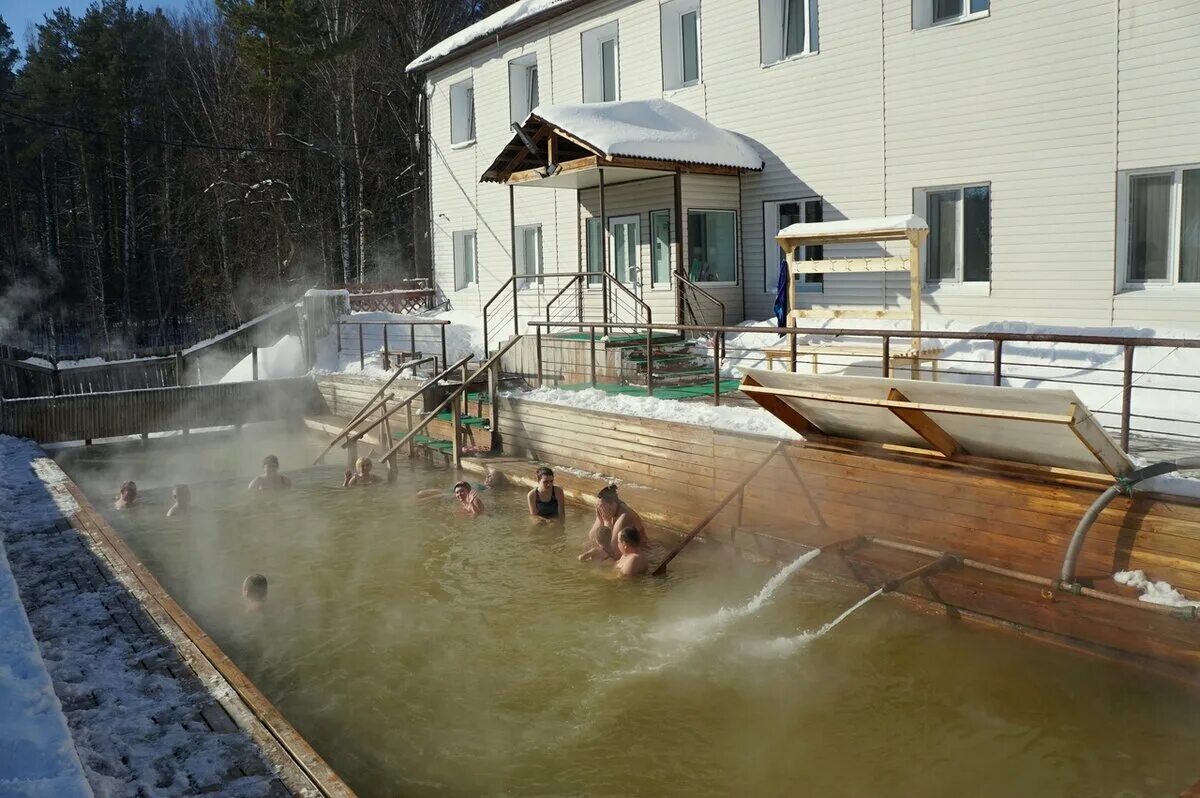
point(641, 135)
point(888, 228)
point(958, 422)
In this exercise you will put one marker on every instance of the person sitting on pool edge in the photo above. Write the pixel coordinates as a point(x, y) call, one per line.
point(270, 478)
point(600, 545)
point(491, 480)
point(616, 514)
point(546, 500)
point(182, 495)
point(468, 498)
point(361, 476)
point(632, 562)
point(126, 495)
point(254, 591)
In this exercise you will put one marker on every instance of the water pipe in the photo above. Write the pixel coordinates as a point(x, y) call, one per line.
point(942, 563)
point(1123, 485)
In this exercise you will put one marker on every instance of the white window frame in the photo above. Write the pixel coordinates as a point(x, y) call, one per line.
point(922, 15)
point(457, 97)
point(597, 282)
point(461, 248)
point(770, 245)
point(592, 61)
point(921, 196)
point(1172, 282)
point(737, 253)
point(671, 14)
point(772, 31)
point(520, 103)
point(539, 265)
point(664, 285)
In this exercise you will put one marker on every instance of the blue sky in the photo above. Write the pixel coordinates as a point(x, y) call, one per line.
point(22, 15)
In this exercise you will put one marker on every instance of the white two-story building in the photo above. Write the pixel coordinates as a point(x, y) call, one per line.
point(1053, 146)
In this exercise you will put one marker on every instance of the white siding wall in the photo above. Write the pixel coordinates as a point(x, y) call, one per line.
point(1027, 99)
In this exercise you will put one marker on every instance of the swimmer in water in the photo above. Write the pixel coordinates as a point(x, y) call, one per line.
point(600, 546)
point(616, 514)
point(126, 495)
point(183, 500)
point(270, 478)
point(490, 481)
point(468, 499)
point(546, 501)
point(632, 562)
point(254, 591)
point(361, 476)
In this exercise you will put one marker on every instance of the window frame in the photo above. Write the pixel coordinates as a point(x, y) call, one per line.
point(457, 87)
point(671, 35)
point(591, 44)
point(778, 11)
point(922, 15)
point(519, 70)
point(1172, 283)
point(459, 247)
point(769, 244)
point(591, 283)
point(921, 201)
point(534, 277)
point(736, 244)
point(664, 285)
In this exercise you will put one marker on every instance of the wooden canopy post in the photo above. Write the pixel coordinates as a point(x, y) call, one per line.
point(603, 252)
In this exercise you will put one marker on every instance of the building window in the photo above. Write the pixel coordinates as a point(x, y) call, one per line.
point(462, 112)
point(712, 242)
point(522, 87)
point(529, 254)
point(927, 13)
point(1162, 226)
point(660, 248)
point(679, 25)
point(958, 249)
point(465, 272)
point(776, 216)
point(600, 77)
point(787, 28)
point(595, 253)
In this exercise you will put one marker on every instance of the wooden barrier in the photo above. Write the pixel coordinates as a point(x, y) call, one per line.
point(104, 415)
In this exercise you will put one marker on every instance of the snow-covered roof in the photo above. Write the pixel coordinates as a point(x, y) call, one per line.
point(897, 226)
point(518, 14)
point(651, 129)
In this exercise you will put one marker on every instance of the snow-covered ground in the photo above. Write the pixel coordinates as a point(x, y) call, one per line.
point(464, 335)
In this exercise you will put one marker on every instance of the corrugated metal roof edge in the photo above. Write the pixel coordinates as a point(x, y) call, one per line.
point(515, 27)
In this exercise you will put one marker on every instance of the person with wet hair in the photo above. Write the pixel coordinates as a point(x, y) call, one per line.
point(614, 513)
point(629, 544)
point(362, 475)
point(600, 546)
point(254, 591)
point(182, 495)
point(126, 495)
point(270, 478)
point(491, 480)
point(546, 500)
point(468, 499)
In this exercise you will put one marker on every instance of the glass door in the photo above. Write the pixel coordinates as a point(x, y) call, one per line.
point(626, 235)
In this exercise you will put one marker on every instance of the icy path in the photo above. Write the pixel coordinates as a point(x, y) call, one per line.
point(140, 720)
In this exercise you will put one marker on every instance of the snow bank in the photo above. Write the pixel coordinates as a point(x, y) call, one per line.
point(652, 129)
point(490, 25)
point(464, 335)
point(737, 419)
point(285, 358)
point(1153, 592)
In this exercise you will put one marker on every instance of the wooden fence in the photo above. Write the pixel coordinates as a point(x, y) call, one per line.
point(52, 419)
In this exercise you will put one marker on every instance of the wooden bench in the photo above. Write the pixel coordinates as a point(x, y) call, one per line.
point(912, 357)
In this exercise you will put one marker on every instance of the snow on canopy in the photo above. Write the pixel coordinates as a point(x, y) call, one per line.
point(491, 25)
point(887, 224)
point(651, 129)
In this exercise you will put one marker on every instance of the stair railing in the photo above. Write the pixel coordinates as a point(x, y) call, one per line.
point(691, 295)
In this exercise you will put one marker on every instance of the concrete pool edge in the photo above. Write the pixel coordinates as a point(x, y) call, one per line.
point(301, 769)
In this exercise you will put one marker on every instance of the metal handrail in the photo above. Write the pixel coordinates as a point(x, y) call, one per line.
point(686, 284)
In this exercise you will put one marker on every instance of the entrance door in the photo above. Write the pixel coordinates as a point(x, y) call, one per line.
point(626, 235)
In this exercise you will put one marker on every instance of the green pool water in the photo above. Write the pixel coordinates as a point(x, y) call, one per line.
point(423, 653)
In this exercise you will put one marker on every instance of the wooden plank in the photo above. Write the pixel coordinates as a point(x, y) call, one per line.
point(783, 411)
point(850, 265)
point(923, 425)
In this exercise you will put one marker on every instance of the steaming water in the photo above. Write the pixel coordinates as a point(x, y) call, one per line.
point(426, 654)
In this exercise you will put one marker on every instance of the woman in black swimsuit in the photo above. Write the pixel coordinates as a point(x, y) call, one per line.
point(546, 501)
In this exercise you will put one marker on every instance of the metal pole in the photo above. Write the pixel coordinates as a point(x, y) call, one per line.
point(338, 324)
point(538, 348)
point(456, 436)
point(997, 355)
point(603, 254)
point(362, 352)
point(1126, 396)
point(592, 333)
point(442, 329)
point(716, 370)
point(792, 356)
point(680, 267)
point(254, 364)
point(412, 340)
point(887, 355)
point(387, 363)
point(649, 361)
point(412, 447)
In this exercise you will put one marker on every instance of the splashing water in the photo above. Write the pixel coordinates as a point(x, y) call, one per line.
point(694, 629)
point(786, 646)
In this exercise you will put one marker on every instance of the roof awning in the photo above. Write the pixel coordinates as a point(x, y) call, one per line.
point(564, 146)
point(1033, 426)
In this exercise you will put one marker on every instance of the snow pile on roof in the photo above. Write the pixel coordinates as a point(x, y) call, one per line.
point(887, 224)
point(1153, 592)
point(488, 26)
point(651, 129)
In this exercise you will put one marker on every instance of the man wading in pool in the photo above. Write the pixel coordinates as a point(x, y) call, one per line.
point(546, 501)
point(615, 514)
point(632, 563)
point(468, 498)
point(270, 478)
